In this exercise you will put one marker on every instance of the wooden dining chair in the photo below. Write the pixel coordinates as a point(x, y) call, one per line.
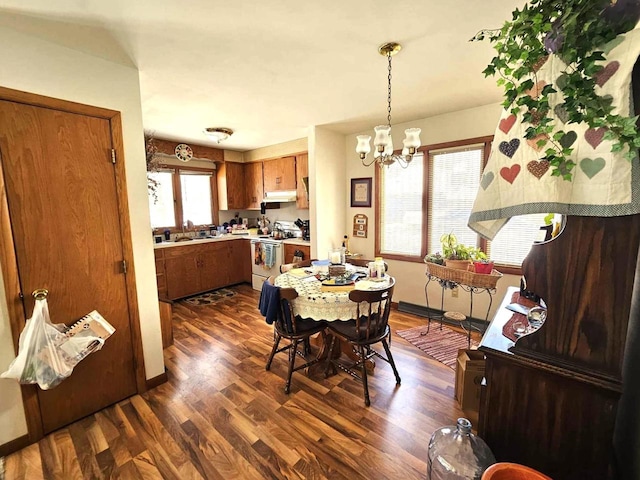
point(285, 267)
point(362, 262)
point(370, 326)
point(296, 330)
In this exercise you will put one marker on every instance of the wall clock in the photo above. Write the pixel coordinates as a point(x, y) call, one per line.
point(184, 152)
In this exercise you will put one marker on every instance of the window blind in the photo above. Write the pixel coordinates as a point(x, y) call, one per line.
point(161, 208)
point(454, 176)
point(401, 217)
point(196, 198)
point(514, 241)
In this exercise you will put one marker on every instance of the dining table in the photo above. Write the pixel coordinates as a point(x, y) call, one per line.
point(328, 303)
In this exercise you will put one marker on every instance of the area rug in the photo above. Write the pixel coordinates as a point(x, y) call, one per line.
point(441, 344)
point(210, 298)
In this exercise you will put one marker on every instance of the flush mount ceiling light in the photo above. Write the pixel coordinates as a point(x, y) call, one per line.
point(218, 134)
point(383, 144)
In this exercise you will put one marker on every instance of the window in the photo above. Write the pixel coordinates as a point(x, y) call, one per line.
point(401, 219)
point(161, 205)
point(434, 196)
point(184, 194)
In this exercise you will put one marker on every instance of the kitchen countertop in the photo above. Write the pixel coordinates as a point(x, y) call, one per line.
point(227, 237)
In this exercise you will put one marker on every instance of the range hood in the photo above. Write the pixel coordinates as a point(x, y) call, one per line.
point(280, 197)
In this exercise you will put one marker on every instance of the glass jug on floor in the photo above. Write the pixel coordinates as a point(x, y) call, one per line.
point(455, 453)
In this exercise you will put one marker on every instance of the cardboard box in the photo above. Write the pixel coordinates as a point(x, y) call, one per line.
point(469, 375)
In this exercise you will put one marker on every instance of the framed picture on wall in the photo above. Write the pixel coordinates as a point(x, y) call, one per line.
point(361, 192)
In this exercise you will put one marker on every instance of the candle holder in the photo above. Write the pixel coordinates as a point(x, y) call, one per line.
point(337, 256)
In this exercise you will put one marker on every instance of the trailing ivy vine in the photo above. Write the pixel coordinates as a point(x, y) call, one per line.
point(579, 32)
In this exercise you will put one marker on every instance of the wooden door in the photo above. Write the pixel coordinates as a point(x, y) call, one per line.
point(63, 207)
point(280, 174)
point(302, 173)
point(183, 274)
point(253, 181)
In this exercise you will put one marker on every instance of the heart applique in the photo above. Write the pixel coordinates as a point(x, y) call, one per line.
point(561, 113)
point(538, 168)
point(541, 61)
point(510, 173)
point(536, 142)
point(606, 73)
point(534, 92)
point(487, 178)
point(568, 139)
point(592, 167)
point(594, 136)
point(561, 81)
point(506, 123)
point(509, 148)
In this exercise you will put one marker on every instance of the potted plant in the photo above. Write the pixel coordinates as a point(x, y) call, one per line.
point(580, 33)
point(458, 255)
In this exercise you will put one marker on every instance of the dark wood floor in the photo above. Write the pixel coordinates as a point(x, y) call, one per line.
point(222, 416)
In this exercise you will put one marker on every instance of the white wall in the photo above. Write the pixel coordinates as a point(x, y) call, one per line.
point(327, 173)
point(44, 68)
point(410, 277)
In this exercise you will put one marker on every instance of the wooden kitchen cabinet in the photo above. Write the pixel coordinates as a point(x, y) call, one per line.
point(195, 268)
point(214, 266)
point(302, 172)
point(290, 248)
point(253, 184)
point(240, 261)
point(161, 278)
point(279, 174)
point(231, 186)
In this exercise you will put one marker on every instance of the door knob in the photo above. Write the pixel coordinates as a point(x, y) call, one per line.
point(40, 293)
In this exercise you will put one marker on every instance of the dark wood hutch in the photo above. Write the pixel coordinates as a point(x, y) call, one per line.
point(564, 399)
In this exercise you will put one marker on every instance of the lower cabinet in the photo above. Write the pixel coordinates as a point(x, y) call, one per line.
point(191, 269)
point(290, 250)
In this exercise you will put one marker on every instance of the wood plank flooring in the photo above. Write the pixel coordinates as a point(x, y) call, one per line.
point(222, 416)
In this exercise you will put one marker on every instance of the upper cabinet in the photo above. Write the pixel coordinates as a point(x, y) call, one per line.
point(280, 174)
point(302, 180)
point(231, 186)
point(253, 184)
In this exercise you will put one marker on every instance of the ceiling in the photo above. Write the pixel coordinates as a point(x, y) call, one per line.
point(269, 69)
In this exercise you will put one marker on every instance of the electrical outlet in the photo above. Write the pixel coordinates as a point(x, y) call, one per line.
point(454, 292)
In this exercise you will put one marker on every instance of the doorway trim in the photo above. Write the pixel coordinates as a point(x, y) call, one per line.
point(9, 263)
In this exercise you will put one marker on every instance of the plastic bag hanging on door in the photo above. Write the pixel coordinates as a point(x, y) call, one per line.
point(47, 353)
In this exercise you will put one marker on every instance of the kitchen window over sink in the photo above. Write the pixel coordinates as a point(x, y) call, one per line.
point(434, 196)
point(183, 194)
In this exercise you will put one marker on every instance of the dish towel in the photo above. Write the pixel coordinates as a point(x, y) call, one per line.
point(516, 181)
point(269, 256)
point(258, 255)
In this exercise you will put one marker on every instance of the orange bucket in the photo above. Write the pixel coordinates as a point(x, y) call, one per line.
point(512, 471)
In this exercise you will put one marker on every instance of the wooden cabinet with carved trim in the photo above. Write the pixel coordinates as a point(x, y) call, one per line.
point(302, 174)
point(253, 184)
point(280, 174)
point(231, 186)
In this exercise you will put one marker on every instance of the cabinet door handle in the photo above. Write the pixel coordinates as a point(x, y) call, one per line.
point(278, 180)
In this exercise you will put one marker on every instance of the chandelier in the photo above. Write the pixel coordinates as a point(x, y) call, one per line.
point(218, 134)
point(382, 142)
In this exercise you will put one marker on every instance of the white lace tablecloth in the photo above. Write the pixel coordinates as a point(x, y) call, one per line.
point(312, 302)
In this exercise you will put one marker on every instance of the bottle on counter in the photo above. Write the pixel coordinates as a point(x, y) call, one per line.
point(373, 272)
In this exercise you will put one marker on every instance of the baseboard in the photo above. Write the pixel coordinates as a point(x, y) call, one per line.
point(435, 314)
point(15, 445)
point(156, 381)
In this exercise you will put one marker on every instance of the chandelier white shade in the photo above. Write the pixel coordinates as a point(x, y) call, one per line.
point(382, 142)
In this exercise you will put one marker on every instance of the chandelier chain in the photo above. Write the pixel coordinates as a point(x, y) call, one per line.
point(389, 93)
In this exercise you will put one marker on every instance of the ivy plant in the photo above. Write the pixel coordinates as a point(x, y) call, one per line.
point(579, 32)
